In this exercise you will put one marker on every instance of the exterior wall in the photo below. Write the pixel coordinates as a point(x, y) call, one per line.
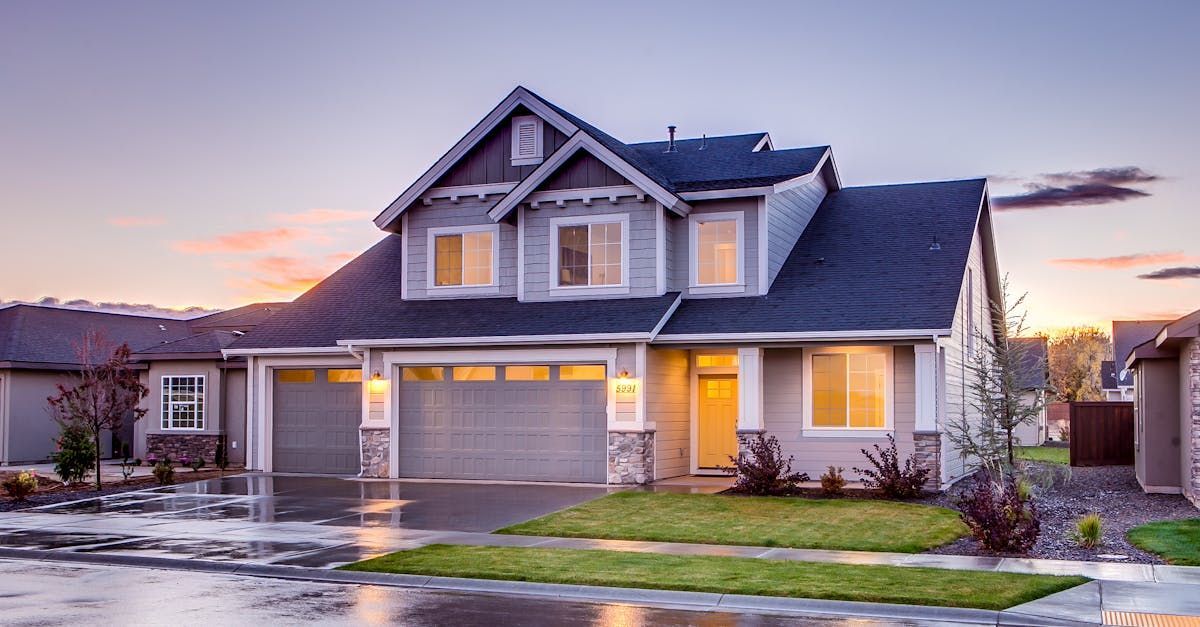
point(469, 211)
point(1156, 425)
point(630, 457)
point(180, 447)
point(679, 263)
point(376, 445)
point(668, 401)
point(151, 423)
point(234, 415)
point(784, 411)
point(1033, 433)
point(491, 159)
point(31, 429)
point(1189, 429)
point(643, 248)
point(788, 213)
point(583, 170)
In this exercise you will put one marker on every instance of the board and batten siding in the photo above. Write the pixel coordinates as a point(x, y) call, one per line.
point(582, 171)
point(784, 411)
point(668, 390)
point(788, 214)
point(490, 161)
point(467, 212)
point(680, 262)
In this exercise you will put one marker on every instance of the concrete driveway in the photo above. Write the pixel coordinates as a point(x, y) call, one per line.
point(284, 519)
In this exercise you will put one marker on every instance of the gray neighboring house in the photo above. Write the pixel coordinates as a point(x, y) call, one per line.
point(549, 303)
point(37, 352)
point(1035, 382)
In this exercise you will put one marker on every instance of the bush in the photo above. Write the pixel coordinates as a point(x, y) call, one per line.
point(164, 472)
point(832, 482)
point(1089, 530)
point(888, 477)
point(75, 455)
point(998, 516)
point(764, 470)
point(1064, 433)
point(197, 464)
point(21, 485)
point(221, 458)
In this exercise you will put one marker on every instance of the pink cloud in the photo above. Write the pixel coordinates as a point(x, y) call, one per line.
point(241, 241)
point(133, 222)
point(322, 216)
point(278, 276)
point(1122, 261)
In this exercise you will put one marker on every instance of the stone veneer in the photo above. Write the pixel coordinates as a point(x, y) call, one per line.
point(1189, 359)
point(375, 445)
point(180, 445)
point(630, 457)
point(928, 454)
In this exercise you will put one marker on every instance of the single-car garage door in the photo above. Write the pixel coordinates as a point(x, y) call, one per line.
point(520, 422)
point(316, 413)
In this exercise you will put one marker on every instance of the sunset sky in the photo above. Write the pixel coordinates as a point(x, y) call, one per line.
point(214, 153)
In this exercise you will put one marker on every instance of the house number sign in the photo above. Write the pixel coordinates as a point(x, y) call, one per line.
point(627, 387)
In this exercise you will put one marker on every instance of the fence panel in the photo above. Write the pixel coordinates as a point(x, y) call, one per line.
point(1101, 434)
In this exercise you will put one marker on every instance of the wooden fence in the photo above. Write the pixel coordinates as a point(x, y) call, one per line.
point(1101, 434)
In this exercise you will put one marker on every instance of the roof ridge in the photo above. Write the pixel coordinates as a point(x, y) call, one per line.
point(978, 179)
point(40, 306)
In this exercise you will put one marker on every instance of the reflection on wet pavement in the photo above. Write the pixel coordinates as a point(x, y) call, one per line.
point(207, 549)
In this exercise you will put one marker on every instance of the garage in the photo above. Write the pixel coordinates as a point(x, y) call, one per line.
point(517, 422)
point(315, 418)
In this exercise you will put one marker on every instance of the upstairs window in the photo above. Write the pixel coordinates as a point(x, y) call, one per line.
point(463, 257)
point(717, 242)
point(526, 140)
point(591, 253)
point(183, 402)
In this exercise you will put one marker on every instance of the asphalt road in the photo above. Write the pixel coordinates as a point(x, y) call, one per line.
point(42, 593)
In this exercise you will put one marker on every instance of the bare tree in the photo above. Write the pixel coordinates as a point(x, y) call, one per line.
point(107, 391)
point(997, 373)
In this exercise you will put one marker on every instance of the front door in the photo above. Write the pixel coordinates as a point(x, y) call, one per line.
point(718, 414)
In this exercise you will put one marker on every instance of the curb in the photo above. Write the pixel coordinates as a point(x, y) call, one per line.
point(676, 599)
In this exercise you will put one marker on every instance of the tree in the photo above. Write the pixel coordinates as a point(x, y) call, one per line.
point(996, 376)
point(1075, 356)
point(106, 391)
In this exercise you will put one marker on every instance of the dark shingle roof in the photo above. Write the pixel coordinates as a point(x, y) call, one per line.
point(1034, 371)
point(241, 318)
point(49, 335)
point(863, 263)
point(1127, 334)
point(207, 343)
point(362, 301)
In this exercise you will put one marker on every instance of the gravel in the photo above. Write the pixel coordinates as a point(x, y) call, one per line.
point(1111, 491)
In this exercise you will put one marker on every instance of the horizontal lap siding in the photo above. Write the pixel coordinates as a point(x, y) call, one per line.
point(668, 390)
point(443, 213)
point(679, 263)
point(783, 406)
point(956, 371)
point(788, 214)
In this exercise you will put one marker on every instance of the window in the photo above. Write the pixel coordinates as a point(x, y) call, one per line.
point(527, 373)
point(589, 372)
point(463, 256)
point(344, 375)
point(526, 140)
point(297, 376)
point(183, 402)
point(421, 374)
point(591, 254)
point(716, 242)
point(729, 360)
point(848, 389)
point(474, 373)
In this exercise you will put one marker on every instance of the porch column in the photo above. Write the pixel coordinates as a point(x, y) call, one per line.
point(750, 390)
point(927, 441)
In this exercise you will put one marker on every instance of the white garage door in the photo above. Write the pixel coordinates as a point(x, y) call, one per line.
point(521, 422)
point(315, 416)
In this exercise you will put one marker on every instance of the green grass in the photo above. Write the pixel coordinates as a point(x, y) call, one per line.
point(1177, 541)
point(729, 575)
point(1047, 454)
point(845, 524)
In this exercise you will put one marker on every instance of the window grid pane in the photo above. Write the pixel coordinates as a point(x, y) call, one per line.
point(448, 260)
point(573, 255)
point(477, 258)
point(866, 376)
point(590, 372)
point(527, 373)
point(829, 390)
point(605, 250)
point(716, 252)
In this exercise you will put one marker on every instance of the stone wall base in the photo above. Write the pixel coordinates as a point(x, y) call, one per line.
point(375, 457)
point(179, 445)
point(929, 455)
point(630, 457)
point(1189, 361)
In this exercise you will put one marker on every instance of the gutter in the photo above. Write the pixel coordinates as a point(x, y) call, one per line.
point(807, 336)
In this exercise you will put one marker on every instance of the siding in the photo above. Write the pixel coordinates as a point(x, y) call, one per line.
point(490, 161)
point(213, 400)
point(31, 430)
point(784, 410)
point(642, 247)
point(466, 212)
point(788, 213)
point(581, 171)
point(679, 263)
point(668, 390)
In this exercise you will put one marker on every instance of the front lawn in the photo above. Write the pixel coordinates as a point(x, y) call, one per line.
point(846, 524)
point(725, 575)
point(1177, 541)
point(1045, 454)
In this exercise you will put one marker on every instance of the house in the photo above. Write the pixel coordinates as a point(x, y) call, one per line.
point(38, 351)
point(1166, 379)
point(549, 303)
point(1034, 381)
point(1117, 386)
point(1116, 381)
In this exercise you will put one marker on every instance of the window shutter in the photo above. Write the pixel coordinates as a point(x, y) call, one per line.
point(527, 139)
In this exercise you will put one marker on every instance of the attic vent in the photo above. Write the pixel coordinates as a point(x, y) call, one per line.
point(526, 140)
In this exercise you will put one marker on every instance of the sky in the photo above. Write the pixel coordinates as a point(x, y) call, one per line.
point(211, 154)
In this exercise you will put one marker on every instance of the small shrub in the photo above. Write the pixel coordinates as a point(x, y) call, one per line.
point(764, 470)
point(137, 461)
point(1064, 433)
point(185, 461)
point(1089, 530)
point(127, 469)
point(164, 472)
point(997, 515)
point(21, 485)
point(75, 455)
point(887, 476)
point(832, 482)
point(197, 464)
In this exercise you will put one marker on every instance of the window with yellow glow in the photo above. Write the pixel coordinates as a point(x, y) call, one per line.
point(849, 391)
point(717, 361)
point(463, 259)
point(296, 376)
point(716, 252)
point(718, 388)
point(474, 373)
point(527, 373)
point(421, 373)
point(588, 372)
point(590, 254)
point(343, 375)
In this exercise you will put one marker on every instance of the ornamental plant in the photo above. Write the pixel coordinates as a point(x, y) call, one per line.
point(888, 477)
point(1089, 531)
point(164, 472)
point(197, 464)
point(75, 453)
point(1000, 515)
point(832, 482)
point(764, 470)
point(21, 485)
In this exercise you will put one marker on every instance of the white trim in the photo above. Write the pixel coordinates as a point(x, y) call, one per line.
point(890, 334)
point(639, 373)
point(502, 340)
point(792, 183)
point(889, 394)
point(404, 257)
point(201, 417)
point(660, 249)
point(456, 192)
point(666, 316)
point(750, 389)
point(519, 96)
point(431, 234)
point(520, 254)
point(764, 245)
point(925, 380)
point(765, 142)
point(694, 220)
point(298, 350)
point(583, 141)
point(552, 258)
point(515, 145)
point(587, 195)
point(737, 192)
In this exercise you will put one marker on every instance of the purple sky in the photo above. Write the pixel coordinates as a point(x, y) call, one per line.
point(213, 153)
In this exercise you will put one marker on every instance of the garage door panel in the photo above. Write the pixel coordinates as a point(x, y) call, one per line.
point(315, 425)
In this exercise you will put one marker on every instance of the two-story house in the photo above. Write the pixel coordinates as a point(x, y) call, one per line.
point(552, 304)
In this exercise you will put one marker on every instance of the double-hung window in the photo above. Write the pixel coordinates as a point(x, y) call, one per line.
point(463, 256)
point(848, 389)
point(590, 251)
point(183, 402)
point(717, 250)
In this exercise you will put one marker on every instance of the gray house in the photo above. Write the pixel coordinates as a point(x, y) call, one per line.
point(549, 303)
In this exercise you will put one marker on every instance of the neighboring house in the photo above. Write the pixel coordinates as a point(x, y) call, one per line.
point(1117, 386)
point(38, 351)
point(1116, 381)
point(552, 304)
point(1034, 381)
point(1166, 376)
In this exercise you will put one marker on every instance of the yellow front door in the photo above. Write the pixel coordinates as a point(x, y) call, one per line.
point(718, 414)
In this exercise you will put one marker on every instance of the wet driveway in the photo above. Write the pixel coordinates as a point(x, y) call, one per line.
point(283, 519)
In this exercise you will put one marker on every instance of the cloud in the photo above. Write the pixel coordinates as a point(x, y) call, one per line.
point(1122, 261)
point(1082, 187)
point(284, 276)
point(321, 216)
point(241, 241)
point(141, 309)
point(1176, 272)
point(133, 222)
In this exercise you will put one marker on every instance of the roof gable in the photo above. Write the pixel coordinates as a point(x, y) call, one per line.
point(490, 160)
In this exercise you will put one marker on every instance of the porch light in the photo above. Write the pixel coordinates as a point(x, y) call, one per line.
point(377, 384)
point(623, 374)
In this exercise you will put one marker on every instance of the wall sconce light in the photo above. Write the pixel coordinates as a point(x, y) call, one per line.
point(623, 374)
point(375, 376)
point(377, 384)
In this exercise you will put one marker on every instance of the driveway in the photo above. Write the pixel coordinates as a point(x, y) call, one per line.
point(284, 519)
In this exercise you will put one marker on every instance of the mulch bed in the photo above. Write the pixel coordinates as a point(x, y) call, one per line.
point(51, 491)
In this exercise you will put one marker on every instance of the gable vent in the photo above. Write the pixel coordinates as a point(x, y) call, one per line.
point(526, 140)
